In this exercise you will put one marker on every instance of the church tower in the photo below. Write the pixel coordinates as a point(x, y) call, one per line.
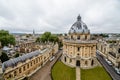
point(33, 32)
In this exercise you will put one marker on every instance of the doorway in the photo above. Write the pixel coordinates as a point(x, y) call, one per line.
point(78, 63)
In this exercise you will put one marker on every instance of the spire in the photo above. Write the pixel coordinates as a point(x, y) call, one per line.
point(33, 32)
point(79, 18)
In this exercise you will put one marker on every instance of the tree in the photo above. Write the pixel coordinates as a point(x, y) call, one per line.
point(53, 38)
point(47, 36)
point(104, 35)
point(6, 38)
point(4, 57)
point(16, 55)
point(38, 39)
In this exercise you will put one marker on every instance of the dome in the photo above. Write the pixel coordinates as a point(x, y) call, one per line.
point(79, 27)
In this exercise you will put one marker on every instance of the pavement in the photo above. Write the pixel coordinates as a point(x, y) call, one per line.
point(45, 72)
point(108, 68)
point(77, 73)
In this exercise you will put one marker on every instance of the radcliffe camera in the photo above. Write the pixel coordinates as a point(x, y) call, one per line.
point(59, 40)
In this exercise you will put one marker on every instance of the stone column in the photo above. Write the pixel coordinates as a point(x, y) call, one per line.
point(84, 51)
point(90, 52)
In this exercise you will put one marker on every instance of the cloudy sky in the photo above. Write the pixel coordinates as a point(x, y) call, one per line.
point(57, 16)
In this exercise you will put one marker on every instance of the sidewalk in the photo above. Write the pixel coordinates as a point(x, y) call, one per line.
point(77, 73)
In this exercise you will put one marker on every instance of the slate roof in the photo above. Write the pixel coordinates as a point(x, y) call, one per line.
point(23, 58)
point(79, 27)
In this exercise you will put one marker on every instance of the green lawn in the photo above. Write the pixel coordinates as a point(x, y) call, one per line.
point(97, 73)
point(62, 72)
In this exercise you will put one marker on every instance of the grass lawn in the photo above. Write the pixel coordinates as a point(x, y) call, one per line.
point(62, 72)
point(97, 73)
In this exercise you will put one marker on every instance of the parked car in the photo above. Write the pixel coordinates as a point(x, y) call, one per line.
point(117, 70)
point(51, 59)
point(109, 62)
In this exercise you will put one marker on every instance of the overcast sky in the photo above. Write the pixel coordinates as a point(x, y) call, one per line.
point(57, 16)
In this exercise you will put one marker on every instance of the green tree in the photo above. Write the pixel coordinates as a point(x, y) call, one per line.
point(104, 35)
point(47, 36)
point(6, 38)
point(16, 55)
point(38, 39)
point(4, 57)
point(53, 38)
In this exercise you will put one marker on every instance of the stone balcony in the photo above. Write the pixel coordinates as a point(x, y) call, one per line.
point(79, 41)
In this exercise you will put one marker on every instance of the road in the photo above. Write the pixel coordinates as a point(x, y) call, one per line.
point(109, 68)
point(45, 72)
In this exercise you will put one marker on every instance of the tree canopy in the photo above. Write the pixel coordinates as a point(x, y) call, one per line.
point(47, 36)
point(4, 57)
point(6, 38)
point(16, 55)
point(103, 35)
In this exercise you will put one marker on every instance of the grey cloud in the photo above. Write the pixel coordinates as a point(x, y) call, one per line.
point(57, 16)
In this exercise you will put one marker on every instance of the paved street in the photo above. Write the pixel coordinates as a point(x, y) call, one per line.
point(110, 69)
point(45, 71)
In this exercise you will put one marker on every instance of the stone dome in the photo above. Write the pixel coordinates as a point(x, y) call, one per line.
point(79, 27)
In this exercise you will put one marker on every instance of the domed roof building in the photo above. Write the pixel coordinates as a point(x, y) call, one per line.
point(78, 48)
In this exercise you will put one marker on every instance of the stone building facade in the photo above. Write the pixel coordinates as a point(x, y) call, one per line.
point(27, 64)
point(110, 49)
point(78, 48)
point(28, 47)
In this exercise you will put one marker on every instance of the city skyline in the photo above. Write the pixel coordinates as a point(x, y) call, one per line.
point(57, 16)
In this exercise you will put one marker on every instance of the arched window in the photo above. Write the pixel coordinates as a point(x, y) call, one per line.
point(31, 63)
point(65, 59)
point(71, 37)
point(27, 65)
point(10, 76)
point(85, 37)
point(70, 60)
point(78, 48)
point(119, 50)
point(92, 62)
point(86, 63)
point(20, 70)
point(15, 73)
point(34, 61)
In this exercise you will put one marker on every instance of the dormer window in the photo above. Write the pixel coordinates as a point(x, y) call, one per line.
point(78, 48)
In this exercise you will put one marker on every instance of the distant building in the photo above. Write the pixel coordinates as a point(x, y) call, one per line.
point(110, 49)
point(78, 48)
